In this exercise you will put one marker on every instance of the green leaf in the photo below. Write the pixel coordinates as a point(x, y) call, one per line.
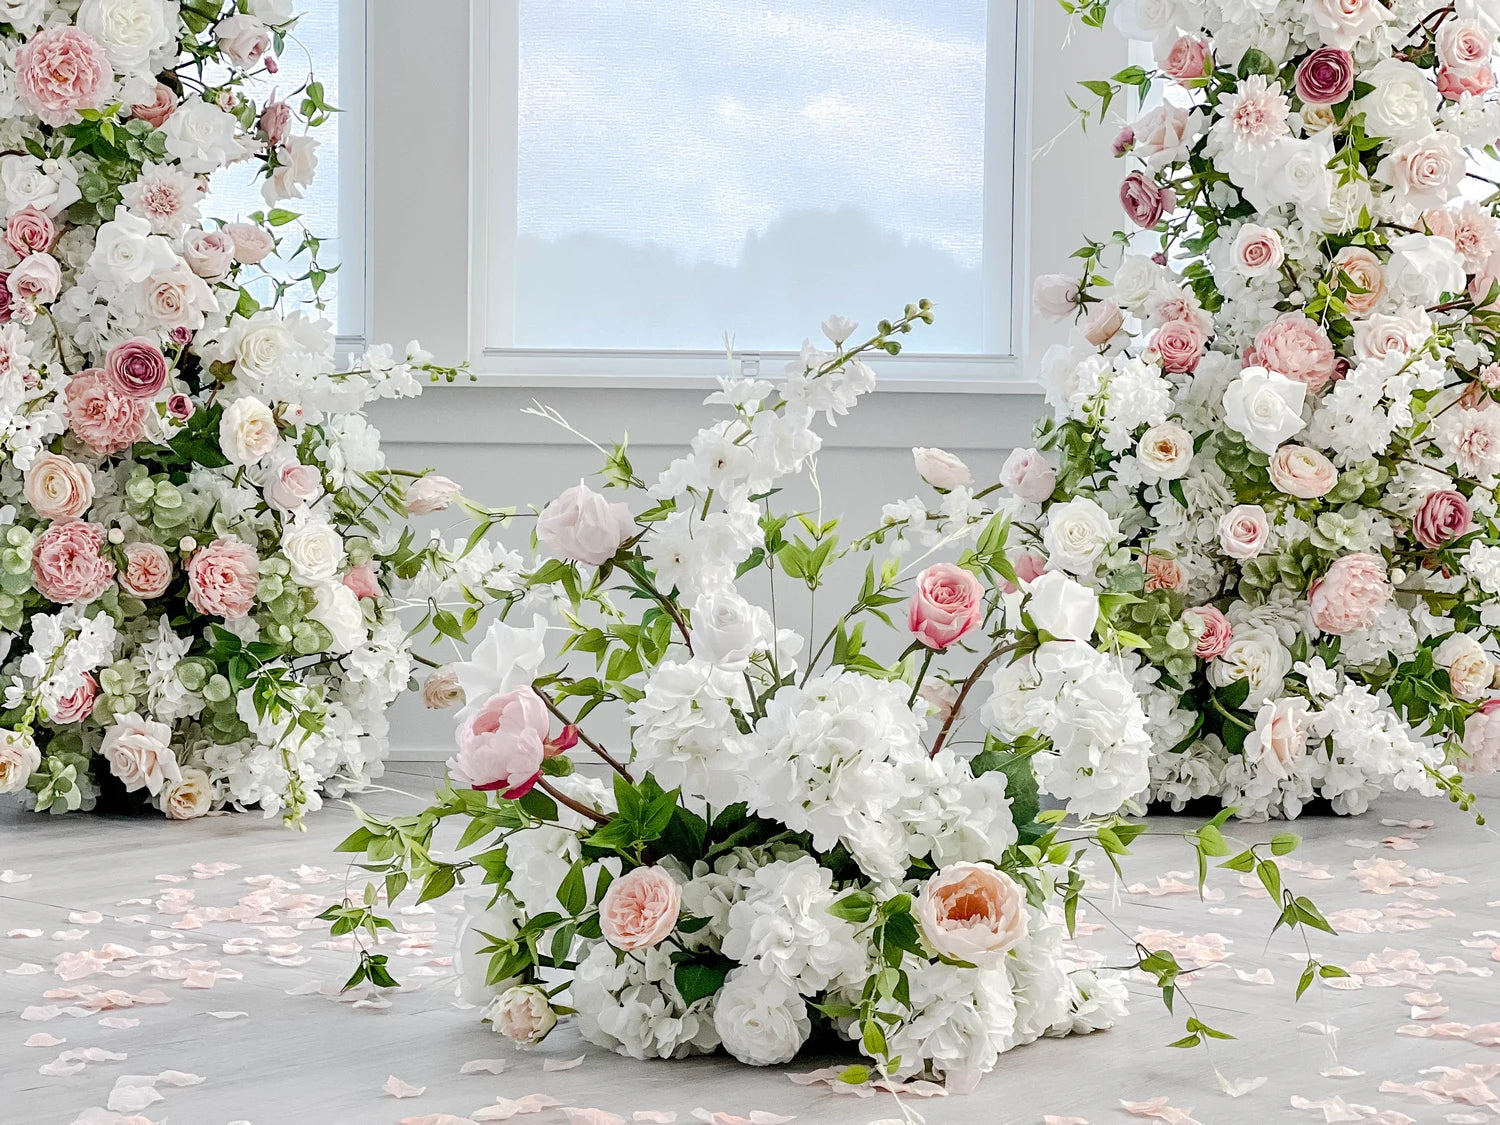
point(697, 979)
point(573, 893)
point(1284, 842)
point(853, 907)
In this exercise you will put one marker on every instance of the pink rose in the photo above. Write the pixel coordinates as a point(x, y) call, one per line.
point(1164, 135)
point(1027, 474)
point(136, 368)
point(61, 70)
point(1124, 141)
point(242, 39)
point(139, 752)
point(362, 580)
point(502, 743)
point(1443, 517)
point(1464, 46)
point(1243, 531)
point(148, 571)
point(223, 578)
point(276, 122)
point(583, 526)
point(973, 912)
point(1188, 59)
point(947, 603)
point(1145, 202)
point(1351, 595)
point(59, 488)
point(1293, 345)
point(67, 563)
point(1481, 741)
point(293, 486)
point(1302, 472)
point(251, 243)
point(104, 419)
point(1164, 574)
point(158, 109)
point(1101, 322)
point(640, 908)
point(209, 254)
point(1055, 296)
point(1215, 632)
point(1452, 86)
point(431, 493)
point(181, 407)
point(1179, 344)
point(1257, 250)
point(30, 231)
point(1027, 565)
point(36, 281)
point(1364, 269)
point(78, 704)
point(1326, 76)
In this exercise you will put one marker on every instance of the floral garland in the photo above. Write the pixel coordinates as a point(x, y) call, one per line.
point(199, 573)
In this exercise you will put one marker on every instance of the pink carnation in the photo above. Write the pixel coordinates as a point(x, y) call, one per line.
point(61, 70)
point(223, 578)
point(104, 419)
point(68, 564)
point(1351, 595)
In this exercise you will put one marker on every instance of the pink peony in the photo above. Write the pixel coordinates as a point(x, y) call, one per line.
point(1481, 741)
point(61, 70)
point(158, 109)
point(223, 578)
point(148, 571)
point(947, 603)
point(1145, 201)
point(104, 419)
point(973, 912)
point(1243, 531)
point(640, 908)
point(30, 231)
point(1293, 345)
point(67, 562)
point(78, 704)
point(1180, 345)
point(136, 368)
point(1351, 595)
point(362, 580)
point(1326, 76)
point(1188, 59)
point(1216, 632)
point(1164, 574)
point(502, 743)
point(1443, 517)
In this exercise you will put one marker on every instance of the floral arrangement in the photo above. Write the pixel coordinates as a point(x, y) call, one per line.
point(1276, 428)
point(200, 555)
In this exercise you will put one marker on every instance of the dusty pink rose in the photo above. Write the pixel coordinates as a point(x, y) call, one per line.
point(583, 526)
point(1216, 632)
point(136, 367)
point(1443, 517)
point(181, 407)
point(59, 488)
point(276, 122)
point(362, 580)
point(1124, 141)
point(973, 912)
point(30, 231)
point(36, 281)
point(293, 486)
point(223, 578)
point(78, 704)
point(1243, 531)
point(1028, 565)
point(158, 109)
point(1326, 76)
point(640, 908)
point(947, 603)
point(1481, 741)
point(1164, 574)
point(61, 70)
point(1180, 345)
point(148, 571)
point(67, 563)
point(1293, 345)
point(1027, 473)
point(5, 299)
point(139, 752)
point(1145, 201)
point(1364, 269)
point(251, 243)
point(1101, 322)
point(1451, 85)
point(104, 419)
point(1302, 472)
point(1187, 59)
point(431, 493)
point(501, 744)
point(1351, 595)
point(209, 253)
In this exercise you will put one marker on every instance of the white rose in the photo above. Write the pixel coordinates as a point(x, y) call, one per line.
point(139, 753)
point(1382, 334)
point(1077, 534)
point(760, 1018)
point(940, 468)
point(583, 526)
point(1066, 609)
point(19, 759)
point(1165, 451)
point(1422, 268)
point(297, 165)
point(1165, 135)
point(1146, 21)
point(202, 136)
point(50, 186)
point(1340, 23)
point(337, 609)
point(1257, 656)
point(1055, 296)
point(1264, 407)
point(189, 797)
point(126, 251)
point(263, 349)
point(247, 431)
point(522, 1014)
point(1293, 170)
point(1425, 171)
point(1279, 741)
point(727, 629)
point(1469, 667)
point(1402, 102)
point(1135, 280)
point(130, 31)
point(315, 550)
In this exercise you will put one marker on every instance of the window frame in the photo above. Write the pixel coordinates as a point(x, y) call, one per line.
point(354, 316)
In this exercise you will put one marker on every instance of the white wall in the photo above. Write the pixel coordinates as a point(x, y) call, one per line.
point(419, 247)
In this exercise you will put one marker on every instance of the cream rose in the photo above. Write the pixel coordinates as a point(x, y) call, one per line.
point(190, 797)
point(1302, 472)
point(139, 753)
point(1165, 451)
point(973, 912)
point(19, 759)
point(247, 431)
point(58, 488)
point(1279, 741)
point(1078, 533)
point(315, 550)
point(1469, 667)
point(1256, 655)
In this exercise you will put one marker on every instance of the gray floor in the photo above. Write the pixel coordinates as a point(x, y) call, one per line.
point(1419, 910)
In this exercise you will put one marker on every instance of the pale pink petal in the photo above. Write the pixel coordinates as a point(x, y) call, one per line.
point(42, 1039)
point(578, 1115)
point(437, 1119)
point(399, 1089)
point(562, 1064)
point(482, 1066)
point(128, 1099)
point(654, 1117)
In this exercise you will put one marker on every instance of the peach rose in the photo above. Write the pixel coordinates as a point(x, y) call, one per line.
point(148, 571)
point(1165, 450)
point(973, 912)
point(1464, 46)
point(1451, 85)
point(1028, 566)
point(58, 488)
point(139, 753)
point(1364, 269)
point(1302, 472)
point(523, 1014)
point(1469, 667)
point(61, 70)
point(1293, 345)
point(189, 797)
point(293, 486)
point(1214, 632)
point(36, 281)
point(1164, 574)
point(940, 468)
point(1351, 595)
point(639, 909)
point(67, 564)
point(947, 603)
point(104, 419)
point(1243, 531)
point(1279, 741)
point(502, 743)
point(78, 704)
point(158, 109)
point(223, 578)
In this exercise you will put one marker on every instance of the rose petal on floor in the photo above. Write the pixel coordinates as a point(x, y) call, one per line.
point(482, 1066)
point(562, 1064)
point(399, 1089)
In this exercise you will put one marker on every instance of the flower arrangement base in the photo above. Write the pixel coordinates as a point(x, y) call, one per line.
point(1203, 808)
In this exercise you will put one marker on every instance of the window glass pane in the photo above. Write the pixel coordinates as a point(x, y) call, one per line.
point(312, 48)
point(708, 165)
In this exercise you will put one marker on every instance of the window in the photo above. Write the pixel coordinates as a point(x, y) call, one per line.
point(650, 176)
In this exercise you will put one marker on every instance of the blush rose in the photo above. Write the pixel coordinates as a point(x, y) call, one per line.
point(639, 909)
point(947, 603)
point(973, 912)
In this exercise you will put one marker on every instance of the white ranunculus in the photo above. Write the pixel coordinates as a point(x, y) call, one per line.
point(1401, 102)
point(1422, 268)
point(727, 629)
point(1066, 609)
point(760, 1018)
point(315, 550)
point(247, 431)
point(1077, 534)
point(337, 609)
point(126, 252)
point(1264, 407)
point(19, 759)
point(1256, 655)
point(202, 136)
point(130, 31)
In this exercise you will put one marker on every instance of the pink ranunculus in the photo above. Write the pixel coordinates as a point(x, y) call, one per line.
point(158, 109)
point(1144, 200)
point(1180, 345)
point(1243, 531)
point(431, 493)
point(1364, 269)
point(1293, 345)
point(58, 488)
point(1029, 475)
point(1216, 632)
point(1302, 472)
point(1481, 741)
point(68, 564)
point(1443, 517)
point(181, 407)
point(293, 486)
point(1187, 59)
point(36, 281)
point(61, 70)
point(1027, 565)
point(1164, 574)
point(947, 603)
point(362, 580)
point(136, 367)
point(581, 525)
point(1351, 595)
point(1451, 85)
point(104, 419)
point(78, 704)
point(640, 909)
point(148, 571)
point(30, 231)
point(1101, 322)
point(973, 912)
point(1326, 76)
point(223, 578)
point(502, 743)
